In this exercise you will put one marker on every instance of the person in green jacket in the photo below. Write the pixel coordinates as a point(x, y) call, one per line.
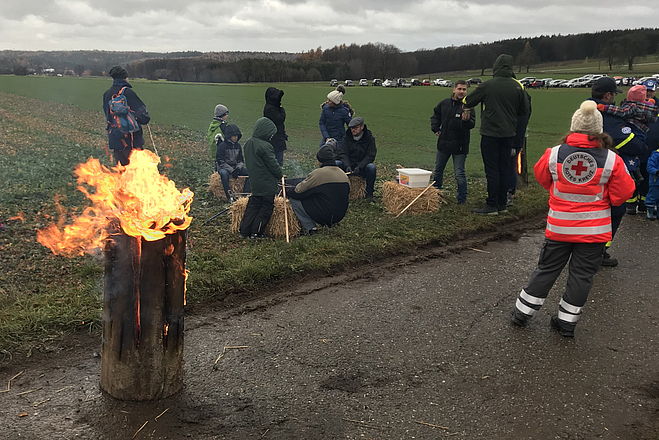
point(504, 102)
point(215, 134)
point(264, 175)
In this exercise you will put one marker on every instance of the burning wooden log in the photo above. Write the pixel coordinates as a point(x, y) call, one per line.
point(144, 298)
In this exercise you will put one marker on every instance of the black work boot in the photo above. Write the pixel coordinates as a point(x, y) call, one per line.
point(486, 210)
point(563, 328)
point(519, 319)
point(608, 260)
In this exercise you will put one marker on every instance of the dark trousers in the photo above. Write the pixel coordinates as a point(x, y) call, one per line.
point(498, 168)
point(369, 173)
point(225, 175)
point(584, 259)
point(121, 155)
point(279, 155)
point(257, 215)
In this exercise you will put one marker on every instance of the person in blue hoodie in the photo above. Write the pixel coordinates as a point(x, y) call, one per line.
point(652, 198)
point(229, 161)
point(122, 144)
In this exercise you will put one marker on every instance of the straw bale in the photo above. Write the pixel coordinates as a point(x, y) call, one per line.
point(395, 197)
point(276, 227)
point(215, 185)
point(357, 187)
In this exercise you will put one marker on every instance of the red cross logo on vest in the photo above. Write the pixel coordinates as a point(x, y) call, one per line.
point(579, 167)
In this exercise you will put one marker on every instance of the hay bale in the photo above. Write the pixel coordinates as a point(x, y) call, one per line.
point(395, 197)
point(276, 226)
point(215, 185)
point(357, 187)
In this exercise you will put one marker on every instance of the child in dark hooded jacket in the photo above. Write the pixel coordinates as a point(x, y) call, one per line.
point(276, 113)
point(229, 161)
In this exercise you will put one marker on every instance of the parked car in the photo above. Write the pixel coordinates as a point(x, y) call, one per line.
point(377, 82)
point(388, 83)
point(334, 83)
point(474, 81)
point(363, 82)
point(556, 82)
point(349, 83)
point(402, 82)
point(527, 80)
point(642, 80)
point(437, 81)
point(446, 83)
point(426, 82)
point(415, 82)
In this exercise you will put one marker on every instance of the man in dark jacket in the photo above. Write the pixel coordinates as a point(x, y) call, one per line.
point(358, 152)
point(323, 196)
point(624, 142)
point(276, 113)
point(504, 102)
point(264, 174)
point(229, 160)
point(122, 144)
point(334, 116)
point(451, 123)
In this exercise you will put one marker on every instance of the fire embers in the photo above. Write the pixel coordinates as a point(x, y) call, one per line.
point(145, 204)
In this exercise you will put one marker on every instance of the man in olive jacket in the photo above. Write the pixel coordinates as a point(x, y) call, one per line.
point(504, 102)
point(264, 175)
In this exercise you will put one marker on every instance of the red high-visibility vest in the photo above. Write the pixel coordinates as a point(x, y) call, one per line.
point(583, 182)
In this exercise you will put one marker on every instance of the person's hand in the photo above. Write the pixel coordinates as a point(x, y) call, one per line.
point(466, 114)
point(348, 170)
point(235, 173)
point(357, 171)
point(437, 133)
point(601, 107)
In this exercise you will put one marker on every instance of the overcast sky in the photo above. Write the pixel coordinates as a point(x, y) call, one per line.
point(296, 25)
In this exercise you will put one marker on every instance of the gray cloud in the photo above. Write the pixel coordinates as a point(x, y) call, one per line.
point(295, 25)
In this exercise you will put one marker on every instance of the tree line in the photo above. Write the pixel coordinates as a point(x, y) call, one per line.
point(372, 60)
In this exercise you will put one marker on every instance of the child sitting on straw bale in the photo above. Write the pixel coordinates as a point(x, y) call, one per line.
point(229, 160)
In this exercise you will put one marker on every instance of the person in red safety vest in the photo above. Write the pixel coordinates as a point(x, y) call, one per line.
point(584, 178)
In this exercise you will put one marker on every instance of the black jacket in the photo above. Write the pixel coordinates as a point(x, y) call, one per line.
point(276, 113)
point(117, 139)
point(504, 100)
point(324, 194)
point(229, 156)
point(447, 119)
point(359, 153)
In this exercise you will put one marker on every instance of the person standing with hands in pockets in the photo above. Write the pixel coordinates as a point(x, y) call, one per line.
point(451, 123)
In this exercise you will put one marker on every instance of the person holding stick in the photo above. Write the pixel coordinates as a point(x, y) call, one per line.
point(323, 196)
point(264, 174)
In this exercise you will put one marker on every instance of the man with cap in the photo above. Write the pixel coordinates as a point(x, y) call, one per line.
point(122, 144)
point(584, 178)
point(334, 116)
point(357, 153)
point(323, 196)
point(625, 143)
point(215, 133)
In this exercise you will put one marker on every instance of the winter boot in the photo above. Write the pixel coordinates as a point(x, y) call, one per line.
point(563, 328)
point(608, 260)
point(519, 319)
point(651, 212)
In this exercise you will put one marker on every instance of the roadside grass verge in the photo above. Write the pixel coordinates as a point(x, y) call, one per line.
point(44, 297)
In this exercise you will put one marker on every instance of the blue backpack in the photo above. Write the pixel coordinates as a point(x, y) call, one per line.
point(122, 116)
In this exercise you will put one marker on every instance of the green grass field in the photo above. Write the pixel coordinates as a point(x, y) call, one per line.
point(48, 125)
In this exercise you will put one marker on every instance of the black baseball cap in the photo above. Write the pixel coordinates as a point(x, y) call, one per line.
point(606, 85)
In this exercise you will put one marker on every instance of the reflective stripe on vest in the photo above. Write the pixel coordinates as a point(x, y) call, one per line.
point(576, 197)
point(553, 160)
point(588, 215)
point(608, 167)
point(579, 230)
point(625, 142)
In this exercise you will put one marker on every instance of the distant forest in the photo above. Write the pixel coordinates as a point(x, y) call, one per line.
point(373, 60)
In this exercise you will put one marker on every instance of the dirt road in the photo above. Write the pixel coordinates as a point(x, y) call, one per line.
point(408, 350)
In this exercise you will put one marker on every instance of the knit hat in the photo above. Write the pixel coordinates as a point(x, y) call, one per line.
point(118, 72)
point(587, 119)
point(636, 93)
point(326, 155)
point(335, 96)
point(332, 143)
point(220, 110)
point(358, 120)
point(341, 88)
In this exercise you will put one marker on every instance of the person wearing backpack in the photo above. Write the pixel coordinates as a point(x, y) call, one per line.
point(125, 114)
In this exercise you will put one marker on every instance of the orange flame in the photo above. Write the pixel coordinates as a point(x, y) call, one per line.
point(145, 203)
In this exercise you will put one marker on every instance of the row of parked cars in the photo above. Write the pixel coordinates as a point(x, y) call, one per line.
point(402, 82)
point(582, 81)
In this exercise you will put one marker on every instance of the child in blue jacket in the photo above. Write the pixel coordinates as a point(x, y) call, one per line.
point(652, 198)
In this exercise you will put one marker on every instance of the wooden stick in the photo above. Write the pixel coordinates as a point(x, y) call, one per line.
point(9, 382)
point(416, 198)
point(283, 188)
point(478, 250)
point(161, 414)
point(28, 391)
point(35, 404)
point(155, 150)
point(445, 428)
point(141, 428)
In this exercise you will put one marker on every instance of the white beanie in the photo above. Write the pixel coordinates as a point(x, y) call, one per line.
point(335, 96)
point(587, 119)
